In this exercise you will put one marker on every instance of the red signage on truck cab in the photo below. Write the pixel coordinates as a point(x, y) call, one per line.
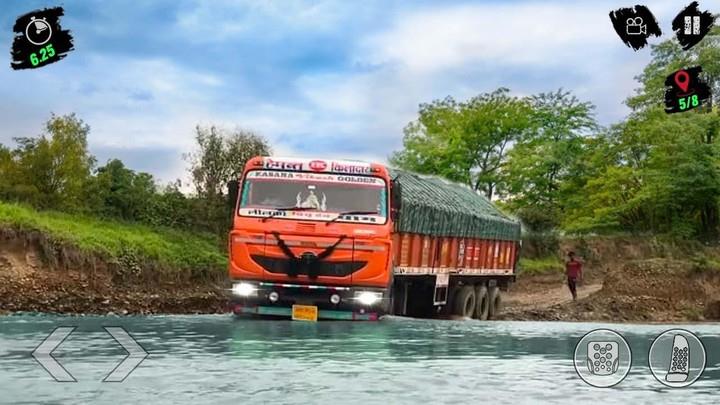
point(283, 164)
point(350, 168)
point(318, 165)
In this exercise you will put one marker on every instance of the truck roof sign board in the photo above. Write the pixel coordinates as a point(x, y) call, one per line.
point(317, 165)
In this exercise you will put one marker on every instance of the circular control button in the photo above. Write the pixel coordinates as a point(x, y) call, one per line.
point(602, 358)
point(677, 358)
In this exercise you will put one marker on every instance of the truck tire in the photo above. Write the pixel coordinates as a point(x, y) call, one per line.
point(465, 301)
point(482, 301)
point(495, 302)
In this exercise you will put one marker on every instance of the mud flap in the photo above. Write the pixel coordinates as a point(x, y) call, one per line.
point(441, 288)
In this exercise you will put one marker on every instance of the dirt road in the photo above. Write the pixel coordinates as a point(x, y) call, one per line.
point(546, 298)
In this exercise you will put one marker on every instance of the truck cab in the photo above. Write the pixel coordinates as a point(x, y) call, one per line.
point(311, 239)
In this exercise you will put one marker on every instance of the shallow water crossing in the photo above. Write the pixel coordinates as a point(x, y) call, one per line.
point(218, 359)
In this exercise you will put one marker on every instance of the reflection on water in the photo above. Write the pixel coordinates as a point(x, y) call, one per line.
point(217, 359)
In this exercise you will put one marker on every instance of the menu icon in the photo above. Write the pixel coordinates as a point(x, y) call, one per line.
point(691, 25)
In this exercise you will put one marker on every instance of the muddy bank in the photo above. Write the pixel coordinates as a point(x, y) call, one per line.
point(40, 275)
point(626, 281)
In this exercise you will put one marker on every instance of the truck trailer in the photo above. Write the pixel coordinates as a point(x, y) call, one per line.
point(336, 239)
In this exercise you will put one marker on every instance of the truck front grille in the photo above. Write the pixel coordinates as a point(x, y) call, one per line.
point(320, 268)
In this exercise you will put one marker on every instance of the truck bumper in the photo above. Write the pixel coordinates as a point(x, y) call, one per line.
point(286, 312)
point(277, 299)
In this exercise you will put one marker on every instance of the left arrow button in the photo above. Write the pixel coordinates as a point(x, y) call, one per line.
point(43, 354)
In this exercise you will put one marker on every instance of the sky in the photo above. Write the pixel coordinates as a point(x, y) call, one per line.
point(331, 79)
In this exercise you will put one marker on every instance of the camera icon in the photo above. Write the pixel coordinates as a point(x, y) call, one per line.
point(635, 26)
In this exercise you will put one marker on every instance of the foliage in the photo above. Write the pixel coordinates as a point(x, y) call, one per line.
point(661, 171)
point(668, 57)
point(541, 165)
point(220, 157)
point(650, 173)
point(56, 171)
point(702, 264)
point(544, 265)
point(540, 244)
point(465, 141)
point(119, 192)
point(52, 169)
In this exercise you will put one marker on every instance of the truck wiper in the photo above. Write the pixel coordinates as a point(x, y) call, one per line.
point(340, 215)
point(279, 209)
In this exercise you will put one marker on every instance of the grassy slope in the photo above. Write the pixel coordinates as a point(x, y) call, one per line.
point(542, 265)
point(168, 247)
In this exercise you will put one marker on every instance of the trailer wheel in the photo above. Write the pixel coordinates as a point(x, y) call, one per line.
point(495, 302)
point(482, 299)
point(465, 301)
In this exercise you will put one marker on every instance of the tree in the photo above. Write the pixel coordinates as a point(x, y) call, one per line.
point(240, 147)
point(172, 208)
point(56, 165)
point(8, 168)
point(117, 191)
point(465, 141)
point(220, 157)
point(668, 57)
point(540, 167)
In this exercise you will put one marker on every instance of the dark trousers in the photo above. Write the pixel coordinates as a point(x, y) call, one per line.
point(572, 284)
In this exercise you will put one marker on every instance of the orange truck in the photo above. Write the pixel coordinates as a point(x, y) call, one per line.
point(338, 239)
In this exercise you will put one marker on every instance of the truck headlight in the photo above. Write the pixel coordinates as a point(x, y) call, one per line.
point(368, 297)
point(244, 289)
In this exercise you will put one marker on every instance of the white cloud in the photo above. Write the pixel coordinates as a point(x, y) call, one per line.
point(451, 37)
point(535, 34)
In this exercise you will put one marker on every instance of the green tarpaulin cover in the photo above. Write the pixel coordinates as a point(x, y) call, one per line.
point(434, 206)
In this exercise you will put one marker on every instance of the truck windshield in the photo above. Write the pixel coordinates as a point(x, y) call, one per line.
point(321, 196)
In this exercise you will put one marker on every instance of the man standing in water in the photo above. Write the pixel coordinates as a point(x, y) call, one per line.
point(573, 270)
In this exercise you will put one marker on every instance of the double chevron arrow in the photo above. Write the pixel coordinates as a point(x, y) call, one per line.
point(43, 354)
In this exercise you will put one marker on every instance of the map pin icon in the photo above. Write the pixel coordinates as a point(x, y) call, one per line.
point(682, 80)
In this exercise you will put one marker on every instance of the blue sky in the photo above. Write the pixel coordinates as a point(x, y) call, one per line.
point(317, 78)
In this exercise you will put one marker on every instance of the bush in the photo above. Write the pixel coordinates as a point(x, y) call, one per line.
point(701, 264)
point(538, 245)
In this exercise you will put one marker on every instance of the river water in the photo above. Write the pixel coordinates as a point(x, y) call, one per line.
point(218, 359)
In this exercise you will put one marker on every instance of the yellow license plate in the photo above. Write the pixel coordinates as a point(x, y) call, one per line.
point(304, 313)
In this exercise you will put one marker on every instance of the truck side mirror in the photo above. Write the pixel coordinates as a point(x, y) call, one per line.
point(233, 190)
point(395, 200)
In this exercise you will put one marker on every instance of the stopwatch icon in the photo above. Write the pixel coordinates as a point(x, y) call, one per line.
point(38, 31)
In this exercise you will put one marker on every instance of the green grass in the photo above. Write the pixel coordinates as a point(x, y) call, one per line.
point(545, 265)
point(189, 251)
point(702, 264)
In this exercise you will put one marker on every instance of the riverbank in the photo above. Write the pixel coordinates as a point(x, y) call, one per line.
point(50, 262)
point(30, 283)
point(62, 263)
point(626, 280)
